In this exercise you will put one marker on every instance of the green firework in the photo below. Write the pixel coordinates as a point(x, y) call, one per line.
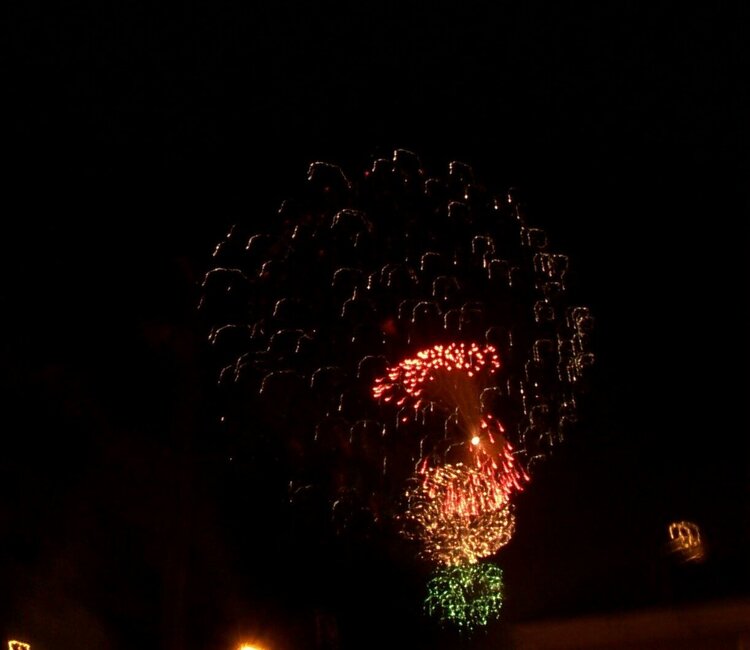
point(467, 595)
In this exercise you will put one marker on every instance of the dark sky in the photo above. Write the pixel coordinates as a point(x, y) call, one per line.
point(136, 133)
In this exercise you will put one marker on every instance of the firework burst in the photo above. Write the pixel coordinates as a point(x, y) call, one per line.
point(452, 377)
point(468, 596)
point(458, 514)
point(450, 279)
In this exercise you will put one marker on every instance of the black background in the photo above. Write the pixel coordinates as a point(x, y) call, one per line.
point(134, 135)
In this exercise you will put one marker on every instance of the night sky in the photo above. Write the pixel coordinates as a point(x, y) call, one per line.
point(136, 134)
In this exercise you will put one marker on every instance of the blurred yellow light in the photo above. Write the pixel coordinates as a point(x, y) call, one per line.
point(248, 646)
point(685, 541)
point(18, 645)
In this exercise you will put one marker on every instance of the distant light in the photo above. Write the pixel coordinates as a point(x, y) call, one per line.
point(685, 541)
point(18, 645)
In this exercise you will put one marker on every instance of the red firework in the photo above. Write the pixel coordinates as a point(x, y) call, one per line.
point(452, 377)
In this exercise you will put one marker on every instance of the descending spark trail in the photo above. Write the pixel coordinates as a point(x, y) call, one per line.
point(452, 377)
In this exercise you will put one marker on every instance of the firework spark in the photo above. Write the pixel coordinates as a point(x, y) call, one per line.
point(459, 514)
point(452, 377)
point(468, 595)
